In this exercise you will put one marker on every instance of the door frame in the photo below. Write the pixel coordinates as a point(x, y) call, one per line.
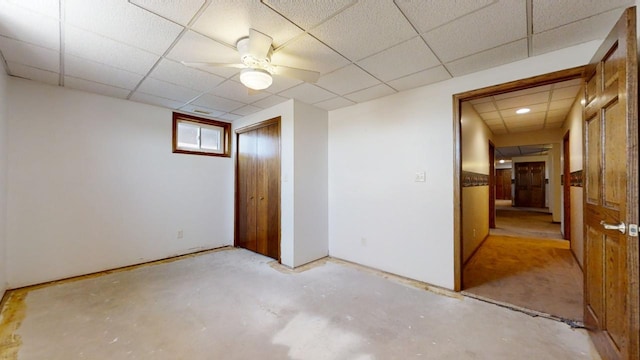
point(566, 186)
point(492, 185)
point(550, 78)
point(236, 199)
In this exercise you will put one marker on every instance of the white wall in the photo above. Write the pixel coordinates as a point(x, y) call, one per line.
point(3, 181)
point(311, 189)
point(475, 136)
point(303, 192)
point(378, 215)
point(93, 185)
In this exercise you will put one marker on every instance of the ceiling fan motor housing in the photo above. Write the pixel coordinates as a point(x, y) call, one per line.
point(250, 60)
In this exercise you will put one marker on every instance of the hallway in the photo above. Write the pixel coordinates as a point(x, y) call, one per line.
point(524, 263)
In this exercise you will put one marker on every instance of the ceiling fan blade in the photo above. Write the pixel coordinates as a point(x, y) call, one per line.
point(309, 76)
point(212, 64)
point(259, 44)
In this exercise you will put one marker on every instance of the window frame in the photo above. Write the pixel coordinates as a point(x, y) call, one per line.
point(226, 134)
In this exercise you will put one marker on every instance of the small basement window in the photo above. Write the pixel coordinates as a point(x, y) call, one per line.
point(199, 136)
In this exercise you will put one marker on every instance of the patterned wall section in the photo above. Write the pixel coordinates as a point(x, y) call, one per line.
point(474, 179)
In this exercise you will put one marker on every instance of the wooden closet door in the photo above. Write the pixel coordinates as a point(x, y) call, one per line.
point(536, 170)
point(268, 190)
point(523, 183)
point(258, 188)
point(246, 194)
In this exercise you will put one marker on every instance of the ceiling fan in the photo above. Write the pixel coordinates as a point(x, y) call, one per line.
point(255, 61)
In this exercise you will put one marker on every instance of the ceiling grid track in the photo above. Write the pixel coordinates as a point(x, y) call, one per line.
point(173, 44)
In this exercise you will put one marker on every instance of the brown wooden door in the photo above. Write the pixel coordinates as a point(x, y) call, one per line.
point(611, 193)
point(529, 184)
point(258, 188)
point(503, 184)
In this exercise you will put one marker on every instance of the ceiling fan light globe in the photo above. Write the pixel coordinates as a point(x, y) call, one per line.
point(256, 79)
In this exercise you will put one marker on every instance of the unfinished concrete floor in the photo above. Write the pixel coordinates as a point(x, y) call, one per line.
point(234, 304)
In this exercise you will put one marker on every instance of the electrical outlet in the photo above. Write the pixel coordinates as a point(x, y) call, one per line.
point(363, 241)
point(421, 176)
point(180, 234)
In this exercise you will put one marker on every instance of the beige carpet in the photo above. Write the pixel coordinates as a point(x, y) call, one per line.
point(536, 274)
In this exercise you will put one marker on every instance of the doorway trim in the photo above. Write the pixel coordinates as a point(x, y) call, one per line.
point(550, 78)
point(492, 185)
point(566, 187)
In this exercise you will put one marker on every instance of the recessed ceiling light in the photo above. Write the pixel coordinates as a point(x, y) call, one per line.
point(501, 161)
point(523, 111)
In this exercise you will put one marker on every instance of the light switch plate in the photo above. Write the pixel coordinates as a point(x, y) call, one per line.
point(421, 176)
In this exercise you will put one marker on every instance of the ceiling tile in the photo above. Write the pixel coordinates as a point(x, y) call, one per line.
point(490, 122)
point(100, 49)
point(421, 78)
point(307, 93)
point(312, 13)
point(565, 93)
point(335, 103)
point(365, 29)
point(487, 59)
point(501, 23)
point(561, 104)
point(269, 101)
point(555, 120)
point(218, 103)
point(491, 115)
point(593, 28)
point(93, 71)
point(553, 125)
point(176, 73)
point(347, 80)
point(124, 22)
point(427, 15)
point(280, 83)
point(179, 11)
point(230, 117)
point(246, 110)
point(17, 23)
point(403, 59)
point(45, 7)
point(513, 123)
point(525, 129)
point(31, 73)
point(485, 107)
point(525, 100)
point(371, 93)
point(155, 100)
point(533, 90)
point(193, 47)
point(94, 87)
point(557, 113)
point(30, 55)
point(200, 110)
point(235, 90)
point(306, 52)
point(535, 110)
point(551, 14)
point(230, 20)
point(167, 90)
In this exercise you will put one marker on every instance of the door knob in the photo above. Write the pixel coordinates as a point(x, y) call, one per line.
point(620, 227)
point(261, 197)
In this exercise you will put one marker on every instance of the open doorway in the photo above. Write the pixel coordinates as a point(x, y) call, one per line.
point(524, 262)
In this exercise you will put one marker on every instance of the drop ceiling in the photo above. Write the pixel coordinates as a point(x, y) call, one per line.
point(363, 49)
point(549, 106)
point(509, 152)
